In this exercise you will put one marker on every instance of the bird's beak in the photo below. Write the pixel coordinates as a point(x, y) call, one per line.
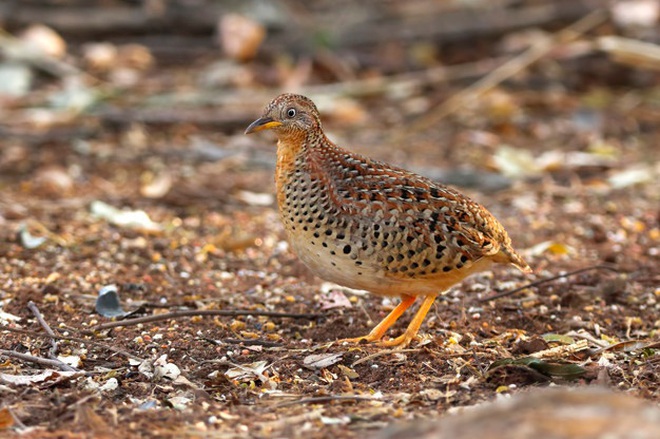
point(263, 123)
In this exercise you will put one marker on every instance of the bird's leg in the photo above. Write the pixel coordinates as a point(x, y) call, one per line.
point(385, 324)
point(404, 339)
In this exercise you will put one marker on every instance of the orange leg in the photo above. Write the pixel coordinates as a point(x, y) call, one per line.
point(404, 339)
point(380, 329)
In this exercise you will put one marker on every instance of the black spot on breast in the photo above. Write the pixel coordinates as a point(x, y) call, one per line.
point(446, 268)
point(464, 259)
point(411, 253)
point(347, 249)
point(426, 263)
point(390, 259)
point(414, 265)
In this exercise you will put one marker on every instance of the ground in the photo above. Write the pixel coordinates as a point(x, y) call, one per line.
point(565, 159)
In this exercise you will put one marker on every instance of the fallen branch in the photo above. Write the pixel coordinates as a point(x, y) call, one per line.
point(546, 280)
point(76, 339)
point(38, 360)
point(385, 352)
point(53, 343)
point(322, 399)
point(193, 313)
point(509, 69)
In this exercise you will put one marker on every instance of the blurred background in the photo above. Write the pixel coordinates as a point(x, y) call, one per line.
point(475, 93)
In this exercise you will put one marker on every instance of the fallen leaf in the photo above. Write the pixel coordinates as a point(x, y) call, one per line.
point(46, 375)
point(132, 219)
point(165, 369)
point(6, 419)
point(321, 361)
point(108, 303)
point(248, 371)
point(240, 36)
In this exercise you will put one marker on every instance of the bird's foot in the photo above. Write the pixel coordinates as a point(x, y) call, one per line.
point(399, 342)
point(359, 340)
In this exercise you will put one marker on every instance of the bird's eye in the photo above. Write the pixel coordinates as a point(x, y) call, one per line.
point(291, 112)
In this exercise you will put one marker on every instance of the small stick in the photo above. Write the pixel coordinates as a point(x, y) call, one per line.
point(53, 343)
point(76, 339)
point(321, 399)
point(192, 313)
point(39, 360)
point(546, 280)
point(511, 67)
point(381, 353)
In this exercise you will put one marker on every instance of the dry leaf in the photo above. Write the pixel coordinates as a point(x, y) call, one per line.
point(321, 361)
point(240, 37)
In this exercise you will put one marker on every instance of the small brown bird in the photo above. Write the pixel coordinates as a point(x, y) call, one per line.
point(365, 224)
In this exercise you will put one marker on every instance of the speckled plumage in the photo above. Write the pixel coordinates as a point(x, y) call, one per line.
point(365, 224)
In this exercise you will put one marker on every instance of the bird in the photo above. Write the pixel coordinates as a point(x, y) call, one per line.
point(368, 225)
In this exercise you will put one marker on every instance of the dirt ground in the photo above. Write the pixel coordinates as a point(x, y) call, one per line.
point(564, 153)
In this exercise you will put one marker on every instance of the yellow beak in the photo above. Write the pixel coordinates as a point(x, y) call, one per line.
point(263, 123)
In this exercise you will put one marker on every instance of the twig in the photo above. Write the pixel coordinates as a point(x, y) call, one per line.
point(53, 343)
point(192, 313)
point(37, 314)
point(76, 339)
point(403, 83)
point(381, 353)
point(510, 68)
point(251, 342)
point(321, 399)
point(546, 280)
point(39, 360)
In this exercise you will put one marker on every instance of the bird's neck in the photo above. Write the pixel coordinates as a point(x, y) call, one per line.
point(299, 152)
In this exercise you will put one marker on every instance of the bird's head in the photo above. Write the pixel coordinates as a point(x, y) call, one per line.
point(288, 115)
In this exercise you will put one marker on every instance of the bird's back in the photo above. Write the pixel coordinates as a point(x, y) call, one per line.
point(365, 224)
